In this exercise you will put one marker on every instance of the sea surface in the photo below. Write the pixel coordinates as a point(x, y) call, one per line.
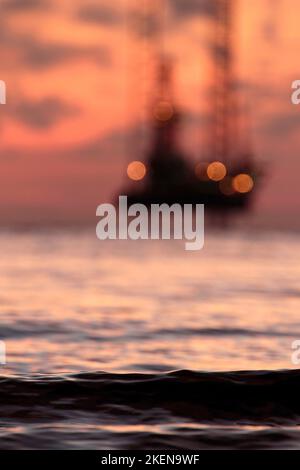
point(143, 345)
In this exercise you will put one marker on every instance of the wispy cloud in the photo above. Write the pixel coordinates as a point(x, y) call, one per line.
point(41, 114)
point(15, 6)
point(186, 8)
point(99, 14)
point(38, 54)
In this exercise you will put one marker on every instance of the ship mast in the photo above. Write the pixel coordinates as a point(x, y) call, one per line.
point(224, 82)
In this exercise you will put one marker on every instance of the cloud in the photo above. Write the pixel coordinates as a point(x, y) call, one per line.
point(99, 14)
point(15, 6)
point(186, 8)
point(148, 24)
point(117, 143)
point(141, 23)
point(37, 54)
point(282, 125)
point(43, 113)
point(145, 24)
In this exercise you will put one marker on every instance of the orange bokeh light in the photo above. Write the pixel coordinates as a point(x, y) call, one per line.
point(243, 183)
point(136, 170)
point(216, 171)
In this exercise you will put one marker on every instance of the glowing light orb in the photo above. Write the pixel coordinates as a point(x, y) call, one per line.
point(216, 171)
point(243, 183)
point(136, 170)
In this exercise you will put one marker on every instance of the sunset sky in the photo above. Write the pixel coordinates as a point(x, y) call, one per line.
point(79, 75)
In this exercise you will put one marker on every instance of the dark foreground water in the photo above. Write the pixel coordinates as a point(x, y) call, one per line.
point(179, 410)
point(70, 304)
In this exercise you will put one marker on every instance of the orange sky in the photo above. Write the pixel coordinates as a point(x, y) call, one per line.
point(78, 79)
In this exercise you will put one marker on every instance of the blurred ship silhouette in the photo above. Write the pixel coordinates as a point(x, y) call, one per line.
point(228, 178)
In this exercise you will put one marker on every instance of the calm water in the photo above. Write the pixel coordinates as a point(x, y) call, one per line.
point(71, 305)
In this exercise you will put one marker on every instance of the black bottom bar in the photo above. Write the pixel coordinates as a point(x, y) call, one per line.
point(146, 459)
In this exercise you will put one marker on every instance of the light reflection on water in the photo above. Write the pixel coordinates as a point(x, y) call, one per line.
point(69, 302)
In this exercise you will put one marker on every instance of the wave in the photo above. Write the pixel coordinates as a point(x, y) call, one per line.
point(34, 329)
point(224, 332)
point(254, 397)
